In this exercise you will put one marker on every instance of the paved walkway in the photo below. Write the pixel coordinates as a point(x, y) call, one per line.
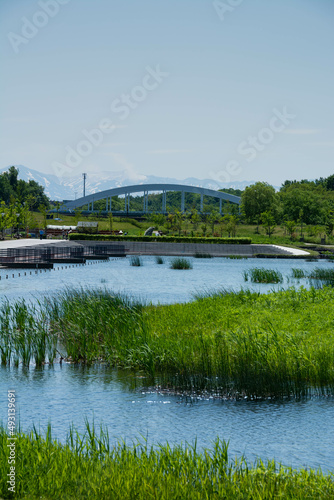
point(27, 242)
point(292, 251)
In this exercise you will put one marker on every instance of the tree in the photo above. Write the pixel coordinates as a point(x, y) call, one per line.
point(290, 227)
point(195, 218)
point(3, 218)
point(42, 209)
point(12, 215)
point(329, 226)
point(58, 207)
point(212, 219)
point(268, 221)
point(256, 199)
point(178, 222)
point(231, 225)
point(305, 200)
point(204, 228)
point(30, 200)
point(329, 183)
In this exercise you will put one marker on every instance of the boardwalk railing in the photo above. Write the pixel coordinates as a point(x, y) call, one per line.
point(58, 253)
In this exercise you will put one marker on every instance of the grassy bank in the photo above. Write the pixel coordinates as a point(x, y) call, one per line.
point(90, 468)
point(258, 345)
point(277, 344)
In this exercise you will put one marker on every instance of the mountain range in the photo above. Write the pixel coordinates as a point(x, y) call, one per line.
point(70, 188)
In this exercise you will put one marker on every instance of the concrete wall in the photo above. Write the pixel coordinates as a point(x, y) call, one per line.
point(189, 249)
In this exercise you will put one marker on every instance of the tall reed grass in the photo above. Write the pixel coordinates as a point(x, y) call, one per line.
point(237, 344)
point(25, 336)
point(262, 275)
point(89, 467)
point(298, 273)
point(135, 261)
point(181, 263)
point(245, 343)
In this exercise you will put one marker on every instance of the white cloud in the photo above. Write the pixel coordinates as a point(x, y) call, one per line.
point(128, 168)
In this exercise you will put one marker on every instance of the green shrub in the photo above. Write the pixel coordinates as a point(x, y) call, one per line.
point(161, 239)
point(181, 263)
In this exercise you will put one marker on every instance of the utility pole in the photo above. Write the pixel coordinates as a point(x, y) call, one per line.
point(84, 184)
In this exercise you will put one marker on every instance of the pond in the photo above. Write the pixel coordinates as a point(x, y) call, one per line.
point(152, 282)
point(296, 433)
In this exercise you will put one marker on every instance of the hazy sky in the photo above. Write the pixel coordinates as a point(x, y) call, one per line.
point(229, 90)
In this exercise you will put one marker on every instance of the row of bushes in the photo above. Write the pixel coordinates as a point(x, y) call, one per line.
point(161, 239)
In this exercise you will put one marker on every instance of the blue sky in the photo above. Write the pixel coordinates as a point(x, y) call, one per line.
point(230, 90)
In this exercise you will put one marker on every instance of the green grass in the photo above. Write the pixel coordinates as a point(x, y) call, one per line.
point(236, 344)
point(159, 259)
point(262, 275)
point(298, 273)
point(89, 467)
point(180, 263)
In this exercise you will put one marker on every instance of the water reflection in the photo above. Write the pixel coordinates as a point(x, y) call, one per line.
point(298, 433)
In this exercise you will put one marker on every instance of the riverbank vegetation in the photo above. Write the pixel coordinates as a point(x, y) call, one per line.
point(242, 344)
point(262, 275)
point(89, 467)
point(181, 263)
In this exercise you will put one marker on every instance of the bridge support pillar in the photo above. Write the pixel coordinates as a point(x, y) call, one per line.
point(201, 203)
point(220, 206)
point(164, 202)
point(182, 201)
point(145, 202)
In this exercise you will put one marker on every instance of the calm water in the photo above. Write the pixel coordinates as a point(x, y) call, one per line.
point(300, 434)
point(151, 282)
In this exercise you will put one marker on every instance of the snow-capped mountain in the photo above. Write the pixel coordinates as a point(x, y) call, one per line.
point(70, 188)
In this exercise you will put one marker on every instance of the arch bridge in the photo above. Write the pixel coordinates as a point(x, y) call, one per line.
point(146, 188)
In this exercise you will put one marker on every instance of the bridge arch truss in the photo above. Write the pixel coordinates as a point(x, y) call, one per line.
point(126, 191)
